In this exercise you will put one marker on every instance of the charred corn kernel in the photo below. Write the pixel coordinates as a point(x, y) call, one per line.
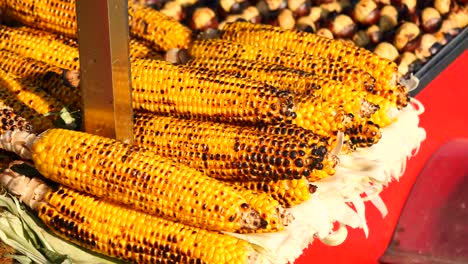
point(364, 134)
point(118, 231)
point(42, 75)
point(40, 46)
point(269, 209)
point(139, 178)
point(322, 147)
point(38, 122)
point(303, 42)
point(228, 152)
point(183, 91)
point(161, 31)
point(139, 50)
point(56, 16)
point(287, 192)
point(10, 120)
point(338, 71)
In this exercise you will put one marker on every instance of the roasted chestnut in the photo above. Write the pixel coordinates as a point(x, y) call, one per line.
point(407, 36)
point(388, 18)
point(203, 18)
point(299, 7)
point(386, 50)
point(427, 47)
point(366, 12)
point(342, 26)
point(286, 19)
point(324, 32)
point(430, 19)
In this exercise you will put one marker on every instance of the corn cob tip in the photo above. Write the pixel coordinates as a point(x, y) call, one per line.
point(30, 191)
point(251, 219)
point(18, 142)
point(71, 78)
point(177, 56)
point(284, 216)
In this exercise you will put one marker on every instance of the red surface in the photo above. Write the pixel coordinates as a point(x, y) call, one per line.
point(445, 118)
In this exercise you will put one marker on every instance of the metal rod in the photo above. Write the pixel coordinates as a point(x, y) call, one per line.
point(105, 68)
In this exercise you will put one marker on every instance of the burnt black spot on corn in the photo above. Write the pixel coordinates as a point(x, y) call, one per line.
point(130, 235)
point(287, 192)
point(321, 148)
point(39, 45)
point(230, 152)
point(183, 91)
point(40, 74)
point(338, 71)
point(364, 135)
point(141, 179)
point(161, 31)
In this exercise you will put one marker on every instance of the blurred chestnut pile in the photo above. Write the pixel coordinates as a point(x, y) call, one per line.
point(408, 32)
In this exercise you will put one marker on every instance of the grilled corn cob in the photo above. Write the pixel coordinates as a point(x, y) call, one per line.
point(303, 42)
point(38, 122)
point(40, 74)
point(138, 178)
point(338, 71)
point(161, 31)
point(229, 152)
point(120, 232)
point(287, 192)
point(273, 74)
point(164, 88)
point(58, 16)
point(36, 98)
point(40, 46)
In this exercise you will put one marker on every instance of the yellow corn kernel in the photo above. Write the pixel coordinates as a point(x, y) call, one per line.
point(40, 74)
point(183, 91)
point(141, 179)
point(229, 152)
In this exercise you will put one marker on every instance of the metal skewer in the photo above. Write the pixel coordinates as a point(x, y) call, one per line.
point(105, 68)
